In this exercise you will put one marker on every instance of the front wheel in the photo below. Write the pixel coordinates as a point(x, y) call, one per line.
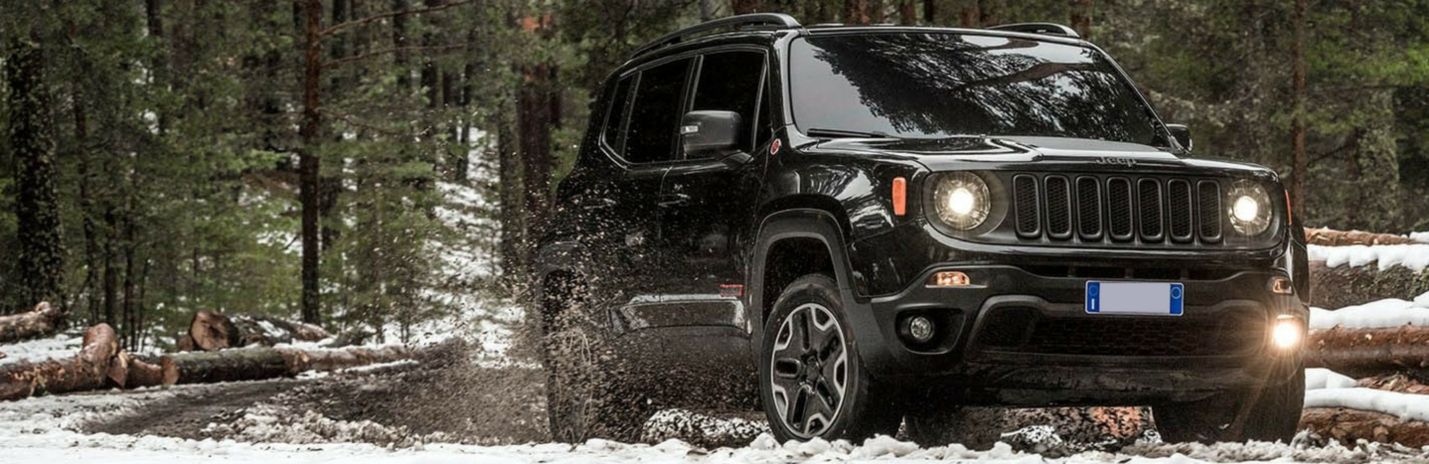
point(811, 380)
point(1268, 414)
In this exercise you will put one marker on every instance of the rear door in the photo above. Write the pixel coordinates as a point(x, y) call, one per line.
point(706, 206)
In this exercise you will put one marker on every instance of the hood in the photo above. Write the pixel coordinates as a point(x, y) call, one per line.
point(1035, 153)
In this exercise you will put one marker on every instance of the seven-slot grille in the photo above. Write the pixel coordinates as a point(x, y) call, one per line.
point(1116, 209)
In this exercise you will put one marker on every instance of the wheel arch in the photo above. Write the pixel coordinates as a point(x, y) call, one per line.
point(806, 232)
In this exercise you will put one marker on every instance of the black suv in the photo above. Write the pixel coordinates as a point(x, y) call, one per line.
point(861, 225)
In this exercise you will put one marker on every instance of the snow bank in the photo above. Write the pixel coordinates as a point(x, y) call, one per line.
point(63, 345)
point(1392, 312)
point(1414, 257)
point(1405, 405)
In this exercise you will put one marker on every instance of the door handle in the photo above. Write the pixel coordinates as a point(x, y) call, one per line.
point(673, 199)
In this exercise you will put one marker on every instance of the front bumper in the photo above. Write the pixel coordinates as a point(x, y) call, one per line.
point(1019, 336)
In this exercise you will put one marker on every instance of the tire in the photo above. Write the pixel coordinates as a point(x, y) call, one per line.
point(1269, 414)
point(818, 389)
point(588, 392)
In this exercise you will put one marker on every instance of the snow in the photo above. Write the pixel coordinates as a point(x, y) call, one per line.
point(1321, 379)
point(1392, 312)
point(1419, 236)
point(1415, 257)
point(1406, 406)
point(59, 346)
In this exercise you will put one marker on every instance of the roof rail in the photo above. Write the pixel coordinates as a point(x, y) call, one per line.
point(1038, 28)
point(765, 20)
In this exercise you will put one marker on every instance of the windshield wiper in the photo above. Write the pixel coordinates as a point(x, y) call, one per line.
point(841, 133)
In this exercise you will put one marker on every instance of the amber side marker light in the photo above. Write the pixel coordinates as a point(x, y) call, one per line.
point(900, 196)
point(949, 279)
point(1281, 286)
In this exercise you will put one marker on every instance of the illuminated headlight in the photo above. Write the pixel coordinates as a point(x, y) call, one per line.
point(1249, 208)
point(961, 200)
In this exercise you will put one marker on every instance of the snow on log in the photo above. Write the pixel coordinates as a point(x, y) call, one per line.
point(212, 331)
point(258, 363)
point(45, 319)
point(1351, 425)
point(86, 371)
point(1333, 286)
point(1332, 237)
point(1387, 313)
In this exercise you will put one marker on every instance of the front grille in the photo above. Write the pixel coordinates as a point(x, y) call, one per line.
point(1116, 209)
point(1024, 330)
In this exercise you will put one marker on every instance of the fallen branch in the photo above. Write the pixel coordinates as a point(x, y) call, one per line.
point(85, 371)
point(41, 321)
point(1331, 237)
point(1351, 425)
point(1341, 286)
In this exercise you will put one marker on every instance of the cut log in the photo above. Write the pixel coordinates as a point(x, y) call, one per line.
point(185, 343)
point(1368, 352)
point(86, 371)
point(258, 363)
point(1341, 286)
point(1351, 425)
point(1396, 382)
point(1331, 237)
point(212, 331)
point(41, 321)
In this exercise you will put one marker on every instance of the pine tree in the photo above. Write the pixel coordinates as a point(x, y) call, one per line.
point(41, 253)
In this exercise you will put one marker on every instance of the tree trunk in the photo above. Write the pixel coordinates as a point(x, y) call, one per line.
point(1345, 285)
point(1368, 352)
point(537, 100)
point(86, 371)
point(969, 13)
point(740, 7)
point(1350, 426)
point(309, 165)
point(212, 331)
point(41, 321)
point(1081, 18)
point(907, 12)
point(1331, 237)
point(1297, 130)
point(858, 12)
point(269, 363)
point(37, 214)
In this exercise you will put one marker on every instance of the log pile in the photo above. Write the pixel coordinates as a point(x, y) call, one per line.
point(101, 363)
point(1341, 286)
point(1331, 237)
point(1369, 352)
point(44, 320)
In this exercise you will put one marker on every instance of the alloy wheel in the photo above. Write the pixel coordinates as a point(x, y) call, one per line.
point(809, 370)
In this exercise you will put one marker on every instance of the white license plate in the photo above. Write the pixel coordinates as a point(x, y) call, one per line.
point(1143, 298)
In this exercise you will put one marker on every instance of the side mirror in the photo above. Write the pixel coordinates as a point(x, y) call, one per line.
point(1182, 135)
point(713, 134)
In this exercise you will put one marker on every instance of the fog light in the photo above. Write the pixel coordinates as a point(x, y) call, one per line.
point(949, 279)
point(920, 328)
point(1281, 286)
point(1287, 333)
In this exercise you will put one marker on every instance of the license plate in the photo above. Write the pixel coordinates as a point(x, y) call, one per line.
point(1141, 298)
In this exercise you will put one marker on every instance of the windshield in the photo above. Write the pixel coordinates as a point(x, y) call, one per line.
point(943, 84)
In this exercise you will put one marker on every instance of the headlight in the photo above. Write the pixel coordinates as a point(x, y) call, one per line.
point(961, 200)
point(1250, 208)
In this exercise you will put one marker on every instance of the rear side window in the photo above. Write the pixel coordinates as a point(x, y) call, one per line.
point(730, 81)
point(615, 119)
point(655, 114)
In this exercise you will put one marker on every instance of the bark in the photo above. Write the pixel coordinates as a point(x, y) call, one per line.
point(1331, 237)
point(185, 343)
point(537, 99)
point(1350, 426)
point(86, 371)
point(1396, 382)
point(740, 7)
point(309, 165)
point(1081, 17)
point(41, 321)
point(37, 213)
point(211, 331)
point(858, 12)
point(1365, 352)
point(1345, 285)
point(1297, 129)
point(269, 363)
point(969, 13)
point(907, 12)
